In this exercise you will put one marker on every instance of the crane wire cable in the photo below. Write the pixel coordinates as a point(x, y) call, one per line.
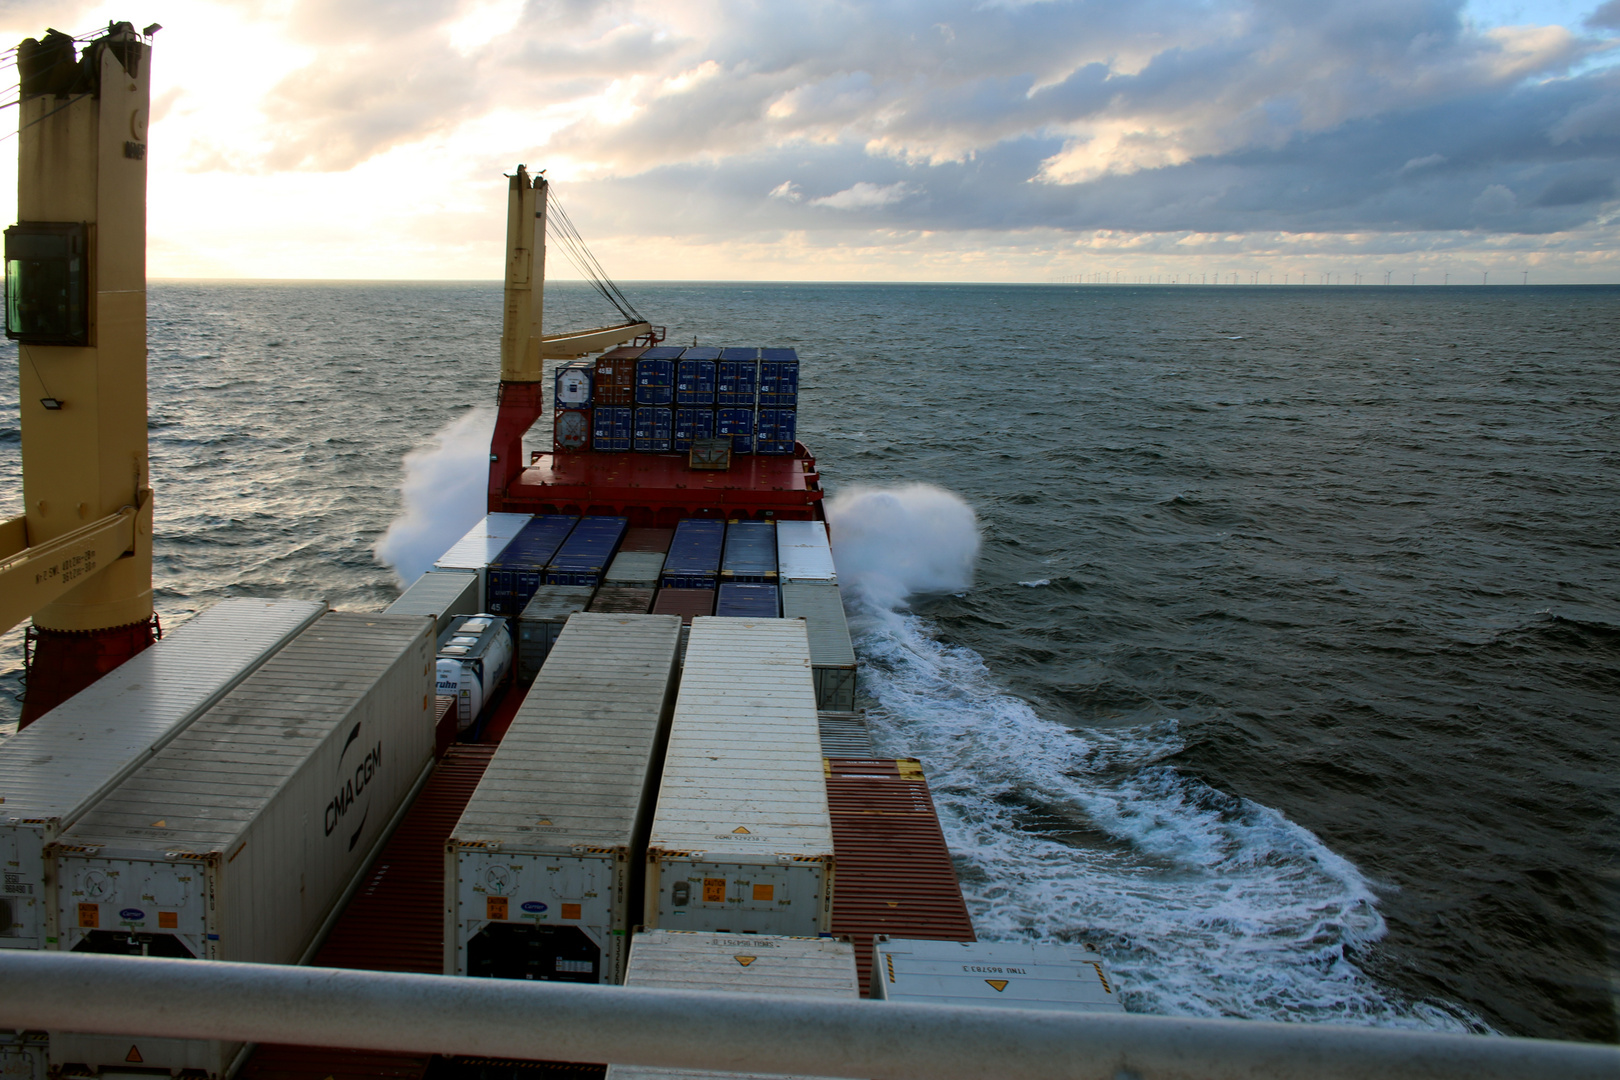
point(560, 227)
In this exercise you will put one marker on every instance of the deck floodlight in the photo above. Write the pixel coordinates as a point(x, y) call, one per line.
point(47, 283)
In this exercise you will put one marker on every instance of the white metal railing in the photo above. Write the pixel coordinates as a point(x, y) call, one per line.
point(731, 1032)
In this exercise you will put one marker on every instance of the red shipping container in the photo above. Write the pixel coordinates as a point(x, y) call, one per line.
point(615, 377)
point(646, 538)
point(895, 874)
point(622, 601)
point(684, 602)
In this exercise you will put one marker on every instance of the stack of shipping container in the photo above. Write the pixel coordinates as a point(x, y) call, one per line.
point(776, 427)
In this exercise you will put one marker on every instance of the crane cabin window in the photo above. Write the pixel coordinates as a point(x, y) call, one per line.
point(46, 283)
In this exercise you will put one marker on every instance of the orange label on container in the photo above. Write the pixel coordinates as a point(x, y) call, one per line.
point(570, 911)
point(714, 890)
point(494, 907)
point(998, 984)
point(168, 920)
point(90, 916)
point(764, 892)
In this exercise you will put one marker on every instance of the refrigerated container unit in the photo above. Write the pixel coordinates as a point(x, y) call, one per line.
point(845, 735)
point(803, 553)
point(635, 570)
point(517, 572)
point(737, 378)
point(480, 547)
point(542, 620)
point(440, 594)
point(736, 422)
point(237, 840)
point(472, 661)
point(742, 840)
point(654, 429)
point(895, 874)
point(775, 430)
point(543, 871)
point(692, 422)
point(647, 538)
point(832, 655)
point(572, 385)
point(614, 381)
point(687, 603)
point(571, 429)
point(655, 376)
point(747, 600)
point(750, 552)
point(612, 427)
point(693, 561)
point(622, 600)
point(776, 966)
point(587, 552)
point(695, 376)
point(56, 769)
point(1006, 974)
point(778, 378)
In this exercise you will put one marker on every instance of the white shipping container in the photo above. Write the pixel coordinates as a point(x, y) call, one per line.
point(635, 570)
point(742, 840)
point(442, 594)
point(236, 840)
point(737, 964)
point(543, 619)
point(1009, 974)
point(481, 546)
point(543, 871)
point(803, 552)
point(832, 656)
point(53, 771)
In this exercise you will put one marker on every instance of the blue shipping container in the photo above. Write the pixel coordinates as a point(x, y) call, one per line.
point(587, 553)
point(612, 428)
point(736, 424)
point(740, 600)
point(691, 424)
point(694, 376)
point(737, 377)
point(693, 561)
point(517, 571)
point(572, 385)
point(750, 552)
point(655, 376)
point(779, 378)
point(653, 424)
point(777, 429)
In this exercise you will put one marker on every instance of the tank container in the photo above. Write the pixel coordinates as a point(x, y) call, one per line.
point(1009, 974)
point(742, 840)
point(737, 378)
point(439, 594)
point(587, 552)
point(695, 376)
point(517, 572)
point(750, 552)
point(614, 381)
point(572, 383)
point(654, 429)
point(691, 423)
point(480, 546)
point(542, 620)
point(803, 553)
point(647, 538)
point(543, 871)
point(655, 376)
point(474, 657)
point(776, 430)
point(635, 569)
point(612, 428)
point(237, 839)
point(747, 600)
point(687, 603)
point(832, 656)
point(694, 554)
point(571, 429)
point(737, 424)
point(53, 771)
point(738, 964)
point(779, 378)
point(621, 600)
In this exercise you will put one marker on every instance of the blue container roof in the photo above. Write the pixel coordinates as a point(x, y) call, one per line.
point(536, 542)
point(591, 543)
point(750, 547)
point(779, 354)
point(747, 600)
point(662, 352)
point(695, 548)
point(701, 352)
point(739, 354)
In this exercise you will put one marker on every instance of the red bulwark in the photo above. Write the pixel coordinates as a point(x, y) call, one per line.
point(892, 871)
point(659, 489)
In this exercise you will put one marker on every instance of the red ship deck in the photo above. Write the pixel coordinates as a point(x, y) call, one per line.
point(661, 489)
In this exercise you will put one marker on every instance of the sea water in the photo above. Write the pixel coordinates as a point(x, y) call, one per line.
point(1265, 638)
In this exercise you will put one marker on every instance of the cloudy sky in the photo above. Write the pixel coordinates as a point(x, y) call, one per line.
point(879, 140)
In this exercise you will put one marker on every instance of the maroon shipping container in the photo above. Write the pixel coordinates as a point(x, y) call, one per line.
point(895, 874)
point(646, 538)
point(615, 377)
point(684, 602)
point(395, 922)
point(621, 600)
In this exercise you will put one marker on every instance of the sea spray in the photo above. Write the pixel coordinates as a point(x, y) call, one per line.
point(893, 543)
point(444, 494)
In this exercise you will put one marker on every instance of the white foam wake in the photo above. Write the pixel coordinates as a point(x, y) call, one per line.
point(1206, 905)
point(445, 493)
